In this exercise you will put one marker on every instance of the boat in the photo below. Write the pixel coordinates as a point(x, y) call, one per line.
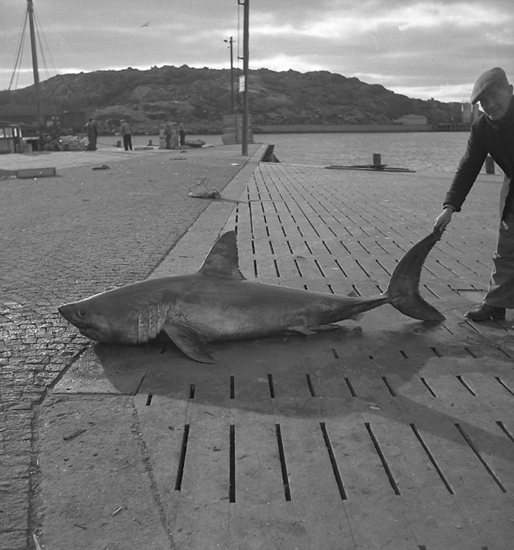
point(36, 132)
point(10, 138)
point(195, 143)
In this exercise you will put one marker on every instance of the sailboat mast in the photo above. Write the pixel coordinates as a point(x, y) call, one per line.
point(35, 70)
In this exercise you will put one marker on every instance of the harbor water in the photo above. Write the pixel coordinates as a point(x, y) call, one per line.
point(419, 151)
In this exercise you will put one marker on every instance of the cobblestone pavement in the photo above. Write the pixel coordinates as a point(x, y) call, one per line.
point(64, 238)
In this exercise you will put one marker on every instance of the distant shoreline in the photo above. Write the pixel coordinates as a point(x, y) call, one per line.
point(339, 128)
point(333, 129)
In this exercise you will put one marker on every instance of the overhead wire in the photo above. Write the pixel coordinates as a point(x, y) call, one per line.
point(42, 43)
point(39, 34)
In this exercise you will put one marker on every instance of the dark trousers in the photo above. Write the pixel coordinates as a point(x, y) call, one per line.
point(91, 146)
point(501, 285)
point(127, 142)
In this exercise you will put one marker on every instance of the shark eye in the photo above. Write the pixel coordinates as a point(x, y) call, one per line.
point(81, 312)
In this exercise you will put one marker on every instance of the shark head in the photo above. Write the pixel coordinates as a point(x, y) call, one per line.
point(131, 314)
point(102, 320)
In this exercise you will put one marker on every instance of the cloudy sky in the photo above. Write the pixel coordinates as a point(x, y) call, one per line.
point(418, 48)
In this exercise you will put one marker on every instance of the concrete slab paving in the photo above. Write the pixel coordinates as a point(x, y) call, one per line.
point(97, 488)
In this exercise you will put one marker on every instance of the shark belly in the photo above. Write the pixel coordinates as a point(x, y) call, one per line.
point(249, 310)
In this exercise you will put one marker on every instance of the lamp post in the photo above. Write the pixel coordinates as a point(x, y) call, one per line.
point(231, 43)
point(246, 29)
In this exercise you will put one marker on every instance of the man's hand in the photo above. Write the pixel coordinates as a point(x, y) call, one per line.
point(443, 219)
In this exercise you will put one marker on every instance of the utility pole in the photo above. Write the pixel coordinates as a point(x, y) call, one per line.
point(231, 43)
point(35, 70)
point(246, 29)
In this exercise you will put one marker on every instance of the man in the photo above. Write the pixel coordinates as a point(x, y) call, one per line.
point(182, 134)
point(126, 132)
point(168, 133)
point(91, 129)
point(492, 133)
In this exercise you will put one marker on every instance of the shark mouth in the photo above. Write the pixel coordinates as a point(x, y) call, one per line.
point(85, 328)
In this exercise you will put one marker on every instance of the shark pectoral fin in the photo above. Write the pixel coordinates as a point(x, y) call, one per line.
point(302, 330)
point(324, 328)
point(309, 331)
point(188, 341)
point(357, 316)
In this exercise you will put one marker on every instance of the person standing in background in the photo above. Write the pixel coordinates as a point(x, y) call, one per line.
point(126, 132)
point(168, 133)
point(91, 129)
point(182, 134)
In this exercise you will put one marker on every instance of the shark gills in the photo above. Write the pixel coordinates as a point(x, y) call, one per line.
point(150, 321)
point(217, 303)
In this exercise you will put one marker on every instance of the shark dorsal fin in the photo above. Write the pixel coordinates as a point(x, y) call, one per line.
point(222, 260)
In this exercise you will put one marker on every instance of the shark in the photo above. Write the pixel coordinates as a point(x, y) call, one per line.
point(217, 303)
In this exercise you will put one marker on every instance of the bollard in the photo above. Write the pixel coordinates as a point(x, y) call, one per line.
point(489, 165)
point(377, 159)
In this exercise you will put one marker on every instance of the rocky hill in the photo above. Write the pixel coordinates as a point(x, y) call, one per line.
point(200, 97)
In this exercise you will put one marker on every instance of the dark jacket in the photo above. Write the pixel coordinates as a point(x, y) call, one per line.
point(486, 137)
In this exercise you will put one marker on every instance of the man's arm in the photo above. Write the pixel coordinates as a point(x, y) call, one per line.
point(466, 175)
point(469, 167)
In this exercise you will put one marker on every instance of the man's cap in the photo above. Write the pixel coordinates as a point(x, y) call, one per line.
point(486, 82)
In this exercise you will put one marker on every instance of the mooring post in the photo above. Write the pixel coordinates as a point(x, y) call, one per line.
point(489, 165)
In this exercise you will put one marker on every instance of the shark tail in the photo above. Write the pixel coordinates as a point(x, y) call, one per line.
point(403, 289)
